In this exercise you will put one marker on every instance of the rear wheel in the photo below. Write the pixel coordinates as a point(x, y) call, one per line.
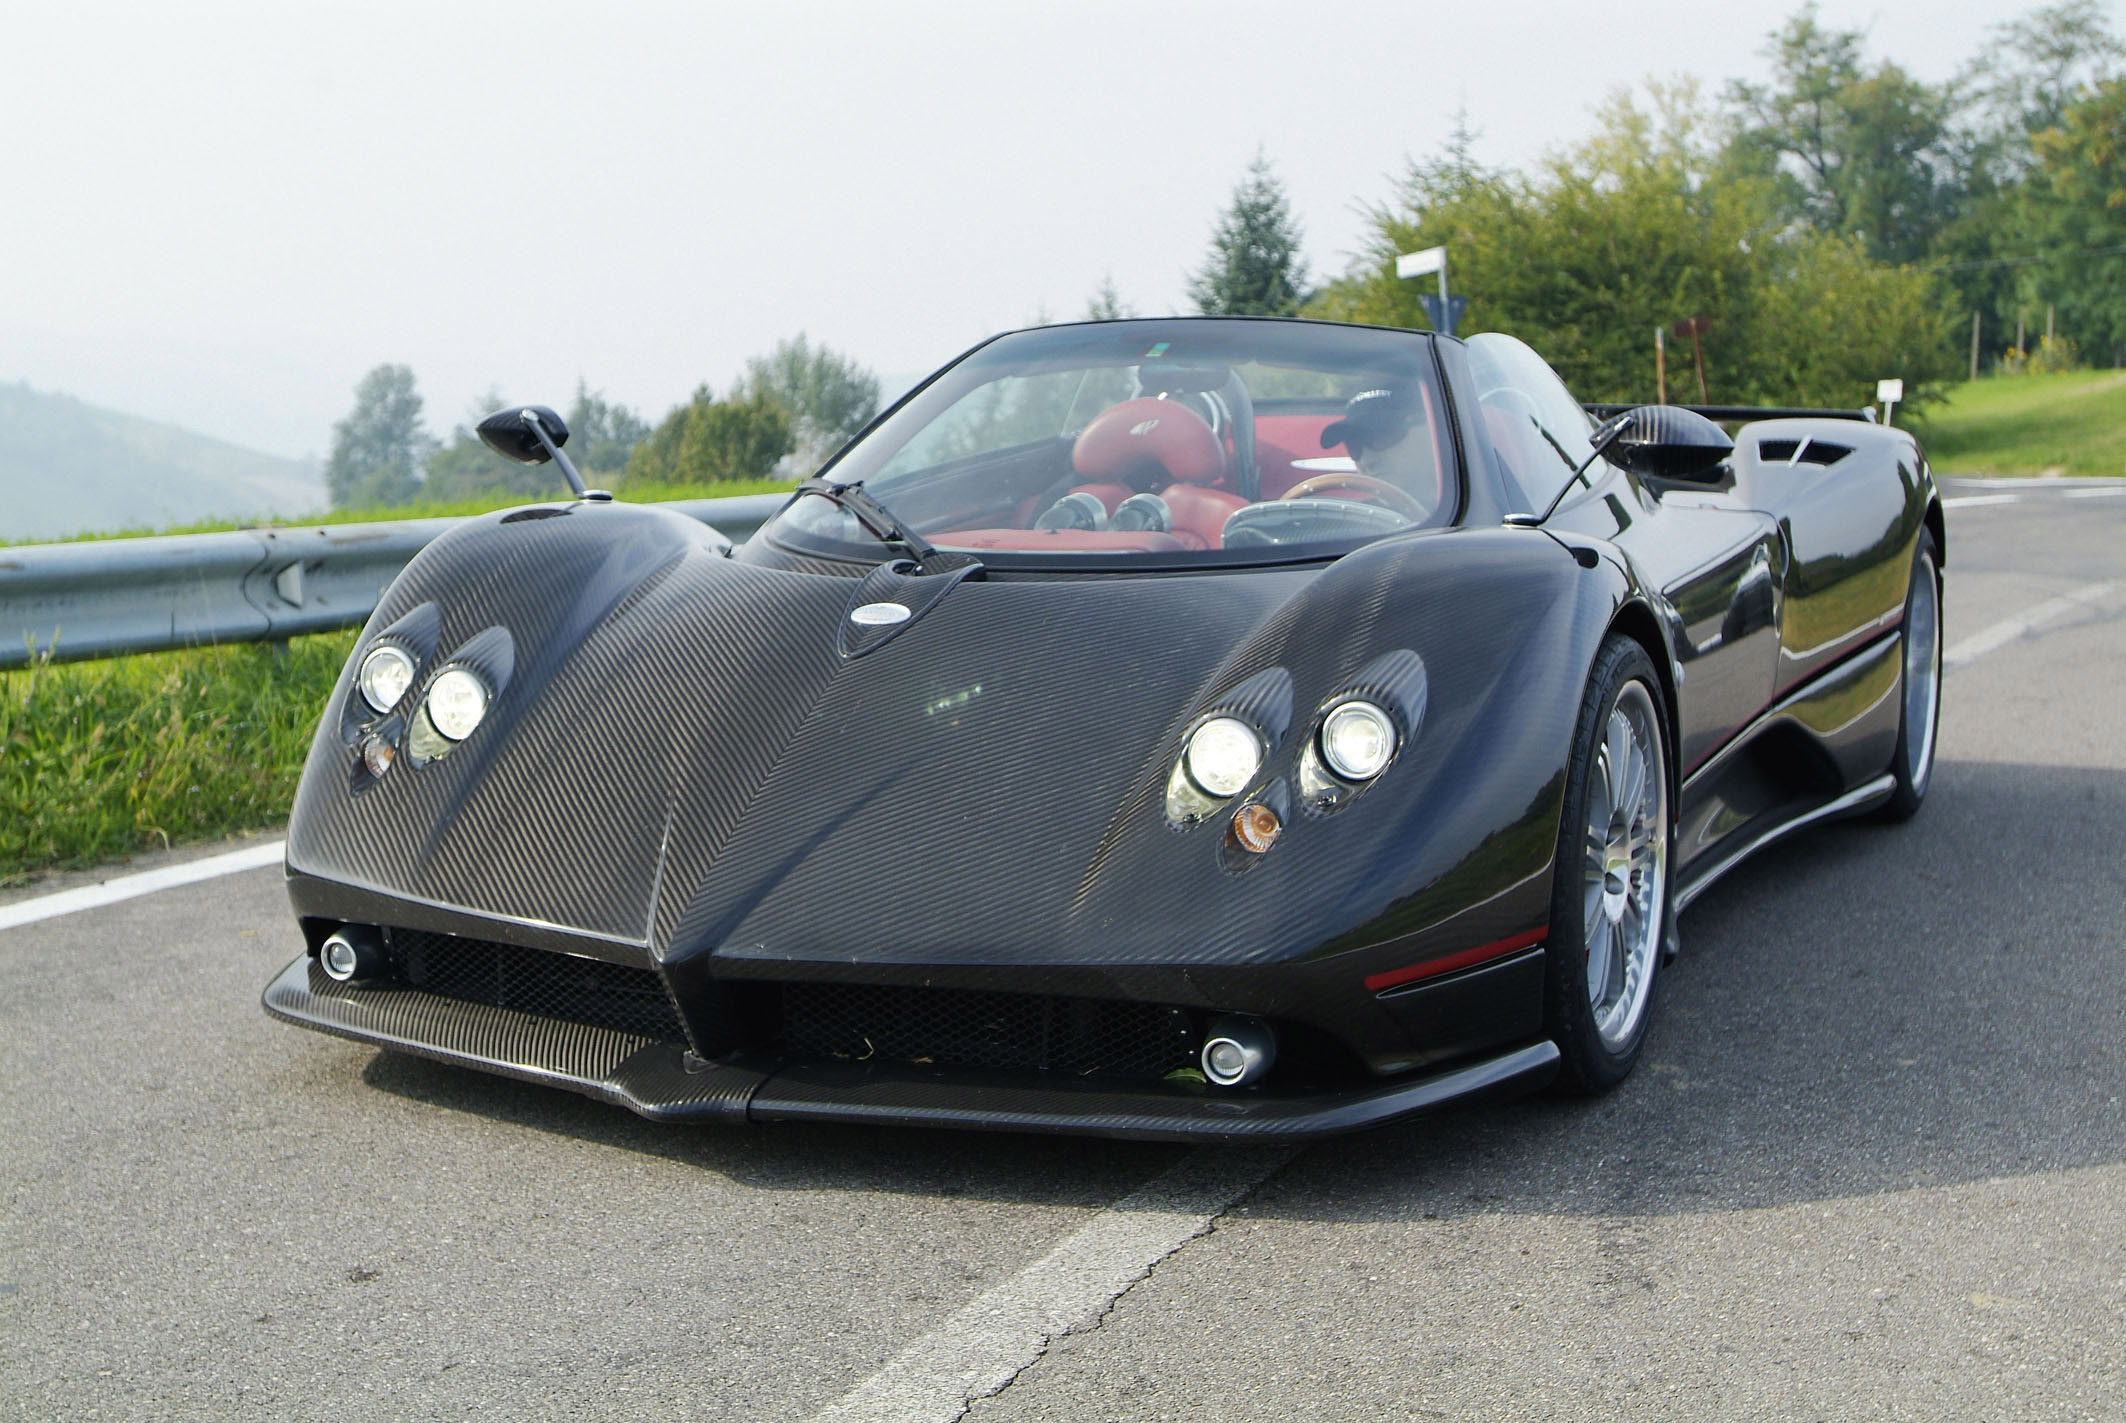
point(1610, 899)
point(1913, 765)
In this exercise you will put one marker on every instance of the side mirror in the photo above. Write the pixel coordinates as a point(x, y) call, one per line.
point(510, 434)
point(534, 434)
point(1668, 442)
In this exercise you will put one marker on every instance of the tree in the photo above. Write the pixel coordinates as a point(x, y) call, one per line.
point(709, 441)
point(602, 434)
point(827, 396)
point(466, 468)
point(1254, 267)
point(2036, 66)
point(380, 449)
point(1107, 304)
point(1641, 227)
point(2076, 207)
point(1867, 152)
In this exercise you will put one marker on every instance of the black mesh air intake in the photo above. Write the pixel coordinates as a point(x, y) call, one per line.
point(575, 990)
point(1000, 1031)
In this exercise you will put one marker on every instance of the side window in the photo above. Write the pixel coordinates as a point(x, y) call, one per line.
point(1538, 430)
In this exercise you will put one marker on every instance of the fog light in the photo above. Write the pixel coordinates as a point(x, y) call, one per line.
point(1238, 1051)
point(1256, 827)
point(350, 954)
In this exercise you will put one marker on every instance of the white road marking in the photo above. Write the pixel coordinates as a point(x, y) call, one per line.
point(111, 891)
point(2022, 624)
point(1972, 501)
point(2093, 493)
point(987, 1343)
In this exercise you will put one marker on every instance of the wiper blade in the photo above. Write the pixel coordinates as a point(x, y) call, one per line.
point(879, 521)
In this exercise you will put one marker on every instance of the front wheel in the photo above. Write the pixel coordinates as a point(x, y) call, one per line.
point(1610, 901)
point(1920, 716)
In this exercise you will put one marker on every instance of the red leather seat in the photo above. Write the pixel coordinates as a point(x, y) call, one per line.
point(1199, 513)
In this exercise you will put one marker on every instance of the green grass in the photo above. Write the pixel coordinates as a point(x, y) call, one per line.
point(446, 509)
point(2033, 424)
point(99, 759)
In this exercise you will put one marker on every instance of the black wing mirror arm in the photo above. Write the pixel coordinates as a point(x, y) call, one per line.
point(533, 423)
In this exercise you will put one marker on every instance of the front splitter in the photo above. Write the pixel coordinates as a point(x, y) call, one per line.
point(666, 1083)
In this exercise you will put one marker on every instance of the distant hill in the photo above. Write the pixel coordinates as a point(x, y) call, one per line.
point(69, 468)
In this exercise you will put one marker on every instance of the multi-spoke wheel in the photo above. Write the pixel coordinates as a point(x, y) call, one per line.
point(1913, 765)
point(1610, 903)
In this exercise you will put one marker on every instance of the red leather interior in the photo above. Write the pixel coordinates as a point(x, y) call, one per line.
point(1200, 514)
point(1281, 439)
point(1149, 435)
point(1059, 540)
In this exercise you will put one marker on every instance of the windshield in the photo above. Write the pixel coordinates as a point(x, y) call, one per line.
point(1156, 442)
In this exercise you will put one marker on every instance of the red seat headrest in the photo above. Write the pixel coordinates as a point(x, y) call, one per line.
point(1149, 435)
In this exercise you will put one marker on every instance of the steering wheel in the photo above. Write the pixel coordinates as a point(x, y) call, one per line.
point(1397, 499)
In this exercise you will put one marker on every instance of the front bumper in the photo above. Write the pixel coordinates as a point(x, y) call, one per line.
point(666, 1083)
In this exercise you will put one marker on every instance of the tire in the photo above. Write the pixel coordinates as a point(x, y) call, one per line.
point(1919, 686)
point(1611, 903)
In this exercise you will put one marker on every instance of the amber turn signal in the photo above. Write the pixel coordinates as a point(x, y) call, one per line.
point(1256, 827)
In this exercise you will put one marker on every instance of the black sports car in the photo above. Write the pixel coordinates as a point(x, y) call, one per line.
point(1172, 728)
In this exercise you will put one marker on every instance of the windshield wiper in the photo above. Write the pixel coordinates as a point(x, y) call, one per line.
point(878, 521)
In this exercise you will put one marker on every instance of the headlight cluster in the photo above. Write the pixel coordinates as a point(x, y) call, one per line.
point(1348, 748)
point(449, 709)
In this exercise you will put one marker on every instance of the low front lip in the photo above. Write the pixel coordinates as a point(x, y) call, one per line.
point(666, 1083)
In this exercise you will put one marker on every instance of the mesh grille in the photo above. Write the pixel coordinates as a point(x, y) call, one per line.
point(604, 995)
point(1010, 1031)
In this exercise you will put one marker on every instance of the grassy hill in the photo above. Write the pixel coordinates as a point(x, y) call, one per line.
point(69, 468)
point(2040, 424)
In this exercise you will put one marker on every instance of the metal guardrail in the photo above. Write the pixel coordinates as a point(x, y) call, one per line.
point(75, 601)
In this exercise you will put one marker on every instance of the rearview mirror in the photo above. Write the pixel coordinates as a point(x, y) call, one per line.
point(510, 434)
point(1669, 442)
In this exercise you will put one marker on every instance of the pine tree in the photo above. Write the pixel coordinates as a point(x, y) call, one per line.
point(1107, 303)
point(1254, 268)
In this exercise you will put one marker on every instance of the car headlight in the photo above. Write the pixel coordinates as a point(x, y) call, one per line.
point(1223, 756)
point(1357, 738)
point(385, 675)
point(457, 700)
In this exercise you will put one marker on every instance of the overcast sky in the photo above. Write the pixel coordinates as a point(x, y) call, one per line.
point(222, 216)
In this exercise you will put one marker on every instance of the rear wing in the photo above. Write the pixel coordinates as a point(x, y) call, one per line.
point(1745, 412)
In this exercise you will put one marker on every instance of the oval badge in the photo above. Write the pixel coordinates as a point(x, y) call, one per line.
point(878, 615)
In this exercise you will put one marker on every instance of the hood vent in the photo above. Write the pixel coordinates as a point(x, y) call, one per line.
point(1806, 451)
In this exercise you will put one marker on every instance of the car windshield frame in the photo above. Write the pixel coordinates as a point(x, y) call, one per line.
point(1302, 346)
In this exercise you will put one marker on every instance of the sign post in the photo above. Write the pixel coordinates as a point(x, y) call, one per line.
point(1444, 311)
point(1889, 392)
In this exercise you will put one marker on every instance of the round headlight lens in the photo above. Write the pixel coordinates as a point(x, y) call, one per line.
point(1223, 756)
point(386, 674)
point(456, 702)
point(1357, 738)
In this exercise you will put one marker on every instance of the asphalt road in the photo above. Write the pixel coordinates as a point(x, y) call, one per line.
point(1873, 1165)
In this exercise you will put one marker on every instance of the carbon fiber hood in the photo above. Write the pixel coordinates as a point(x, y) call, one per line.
point(683, 757)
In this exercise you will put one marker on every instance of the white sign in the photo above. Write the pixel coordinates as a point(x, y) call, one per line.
point(1420, 264)
point(1890, 392)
